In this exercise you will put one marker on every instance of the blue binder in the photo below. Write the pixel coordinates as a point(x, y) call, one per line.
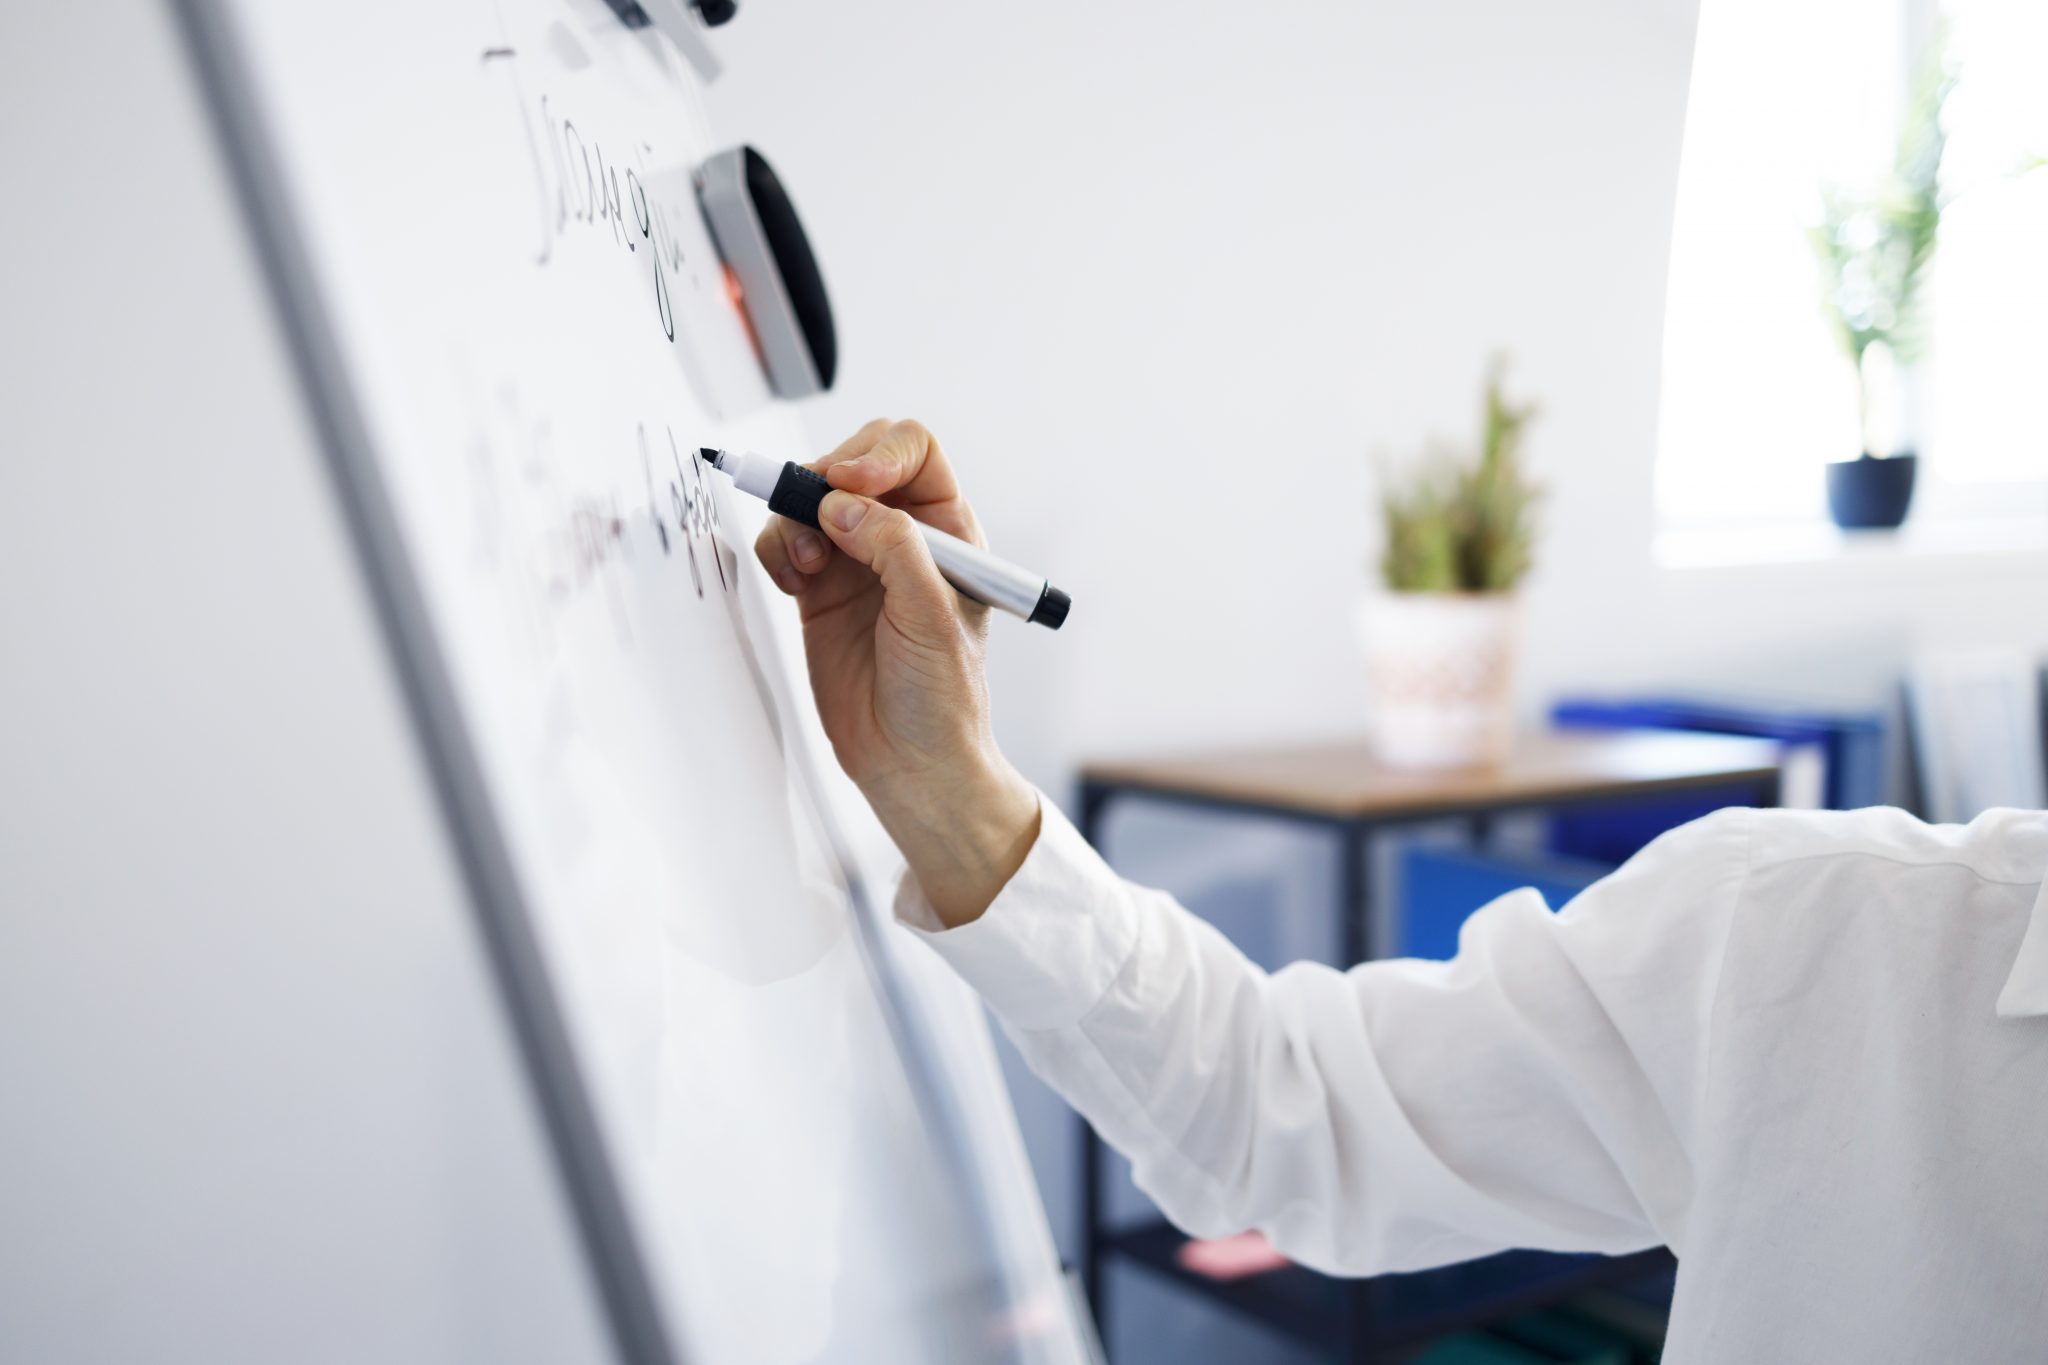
point(1441, 887)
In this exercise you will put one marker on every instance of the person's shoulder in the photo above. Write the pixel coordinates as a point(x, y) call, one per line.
point(2000, 845)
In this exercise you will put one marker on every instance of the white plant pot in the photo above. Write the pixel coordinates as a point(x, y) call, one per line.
point(1439, 671)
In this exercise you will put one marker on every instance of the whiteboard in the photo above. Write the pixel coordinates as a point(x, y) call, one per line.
point(481, 218)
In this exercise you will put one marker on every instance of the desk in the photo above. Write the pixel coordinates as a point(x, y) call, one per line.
point(1338, 786)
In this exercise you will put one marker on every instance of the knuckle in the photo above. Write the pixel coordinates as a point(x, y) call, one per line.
point(909, 441)
point(900, 542)
point(894, 527)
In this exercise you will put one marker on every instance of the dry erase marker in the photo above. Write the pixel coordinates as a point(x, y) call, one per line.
point(793, 491)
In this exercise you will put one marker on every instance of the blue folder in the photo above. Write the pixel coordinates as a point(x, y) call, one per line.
point(1441, 887)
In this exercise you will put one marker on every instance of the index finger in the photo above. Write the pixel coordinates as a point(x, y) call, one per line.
point(906, 463)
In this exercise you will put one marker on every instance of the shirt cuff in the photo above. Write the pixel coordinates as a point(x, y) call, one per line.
point(1052, 942)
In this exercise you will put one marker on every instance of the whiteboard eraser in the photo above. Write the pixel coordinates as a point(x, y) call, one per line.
point(782, 294)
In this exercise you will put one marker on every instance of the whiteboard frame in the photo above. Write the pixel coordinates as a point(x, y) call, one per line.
point(504, 919)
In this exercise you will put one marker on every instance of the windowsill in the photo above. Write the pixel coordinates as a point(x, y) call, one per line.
point(1724, 547)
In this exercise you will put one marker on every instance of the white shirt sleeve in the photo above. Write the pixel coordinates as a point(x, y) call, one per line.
point(1539, 1090)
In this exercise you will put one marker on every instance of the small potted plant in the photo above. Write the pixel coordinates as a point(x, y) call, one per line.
point(1440, 638)
point(1873, 248)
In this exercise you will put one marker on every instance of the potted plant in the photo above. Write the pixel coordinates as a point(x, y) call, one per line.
point(1873, 248)
point(1440, 638)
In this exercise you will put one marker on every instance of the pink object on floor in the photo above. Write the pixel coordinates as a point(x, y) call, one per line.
point(1231, 1258)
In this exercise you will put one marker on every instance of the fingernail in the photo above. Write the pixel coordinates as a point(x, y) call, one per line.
point(792, 582)
point(807, 547)
point(845, 510)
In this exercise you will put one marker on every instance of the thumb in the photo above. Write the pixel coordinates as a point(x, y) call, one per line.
point(887, 540)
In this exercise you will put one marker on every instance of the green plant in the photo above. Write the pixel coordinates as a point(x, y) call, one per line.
point(1462, 527)
point(1874, 245)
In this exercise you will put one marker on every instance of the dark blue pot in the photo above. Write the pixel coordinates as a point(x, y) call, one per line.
point(1870, 493)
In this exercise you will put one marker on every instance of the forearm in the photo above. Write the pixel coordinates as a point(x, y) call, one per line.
point(962, 835)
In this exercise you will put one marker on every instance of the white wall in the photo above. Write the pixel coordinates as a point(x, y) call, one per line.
point(1163, 276)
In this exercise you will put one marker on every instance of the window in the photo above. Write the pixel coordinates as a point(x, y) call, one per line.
point(1787, 98)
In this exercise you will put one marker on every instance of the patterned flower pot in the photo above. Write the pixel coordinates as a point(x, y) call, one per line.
point(1440, 677)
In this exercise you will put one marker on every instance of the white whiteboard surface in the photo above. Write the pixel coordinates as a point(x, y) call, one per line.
point(492, 209)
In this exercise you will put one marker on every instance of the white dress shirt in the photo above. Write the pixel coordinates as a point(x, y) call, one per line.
point(1808, 1051)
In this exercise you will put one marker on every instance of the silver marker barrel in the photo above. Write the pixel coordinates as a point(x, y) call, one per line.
point(793, 491)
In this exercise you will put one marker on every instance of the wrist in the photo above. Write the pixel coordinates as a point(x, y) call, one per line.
point(963, 838)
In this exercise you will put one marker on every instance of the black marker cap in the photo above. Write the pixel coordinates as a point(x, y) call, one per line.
point(798, 493)
point(1051, 611)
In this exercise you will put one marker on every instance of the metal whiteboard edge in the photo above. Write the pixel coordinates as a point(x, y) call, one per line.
point(677, 19)
point(503, 919)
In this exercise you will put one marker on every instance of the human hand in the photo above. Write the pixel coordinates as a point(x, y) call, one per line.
point(896, 664)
